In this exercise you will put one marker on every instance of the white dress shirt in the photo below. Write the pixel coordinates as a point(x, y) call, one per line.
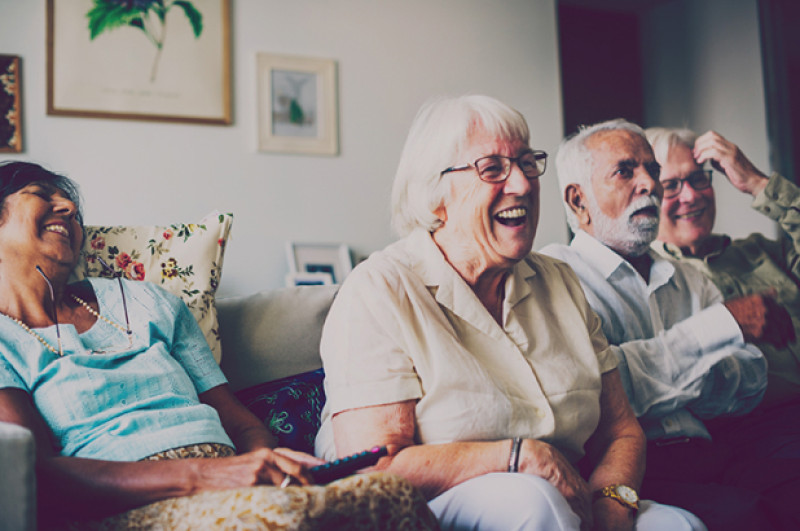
point(682, 356)
point(406, 326)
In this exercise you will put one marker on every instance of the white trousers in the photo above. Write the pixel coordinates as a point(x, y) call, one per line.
point(506, 502)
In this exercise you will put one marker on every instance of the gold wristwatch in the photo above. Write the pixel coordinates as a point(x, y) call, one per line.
point(622, 493)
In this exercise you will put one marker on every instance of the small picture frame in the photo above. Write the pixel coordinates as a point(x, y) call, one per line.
point(297, 105)
point(330, 259)
point(10, 105)
point(308, 279)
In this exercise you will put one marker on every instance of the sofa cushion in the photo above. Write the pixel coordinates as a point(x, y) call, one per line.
point(289, 407)
point(185, 259)
point(272, 334)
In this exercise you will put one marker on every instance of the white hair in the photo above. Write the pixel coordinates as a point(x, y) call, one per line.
point(663, 139)
point(575, 163)
point(440, 132)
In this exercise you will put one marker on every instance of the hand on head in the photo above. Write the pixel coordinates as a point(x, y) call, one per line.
point(727, 158)
point(761, 318)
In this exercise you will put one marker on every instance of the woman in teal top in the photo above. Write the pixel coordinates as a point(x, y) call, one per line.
point(115, 380)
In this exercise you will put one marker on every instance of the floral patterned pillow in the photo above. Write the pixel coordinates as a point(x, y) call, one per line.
point(184, 259)
point(289, 407)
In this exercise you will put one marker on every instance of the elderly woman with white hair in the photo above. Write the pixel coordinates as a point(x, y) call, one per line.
point(478, 363)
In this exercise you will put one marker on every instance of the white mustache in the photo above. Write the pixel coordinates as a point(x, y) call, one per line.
point(643, 202)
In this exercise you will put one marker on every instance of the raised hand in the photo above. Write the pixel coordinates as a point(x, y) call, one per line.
point(761, 318)
point(727, 158)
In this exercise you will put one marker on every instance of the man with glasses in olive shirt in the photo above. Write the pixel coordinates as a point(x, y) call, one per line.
point(768, 438)
point(754, 264)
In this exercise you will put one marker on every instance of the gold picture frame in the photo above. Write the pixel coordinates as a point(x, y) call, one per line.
point(297, 105)
point(108, 61)
point(10, 104)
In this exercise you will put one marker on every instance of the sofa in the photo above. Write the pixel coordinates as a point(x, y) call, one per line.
point(270, 354)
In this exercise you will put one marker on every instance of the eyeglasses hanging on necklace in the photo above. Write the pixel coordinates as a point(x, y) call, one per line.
point(126, 330)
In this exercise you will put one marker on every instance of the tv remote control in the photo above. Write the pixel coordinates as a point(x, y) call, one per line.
point(345, 466)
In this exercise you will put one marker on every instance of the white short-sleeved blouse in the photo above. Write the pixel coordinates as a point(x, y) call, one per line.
point(406, 326)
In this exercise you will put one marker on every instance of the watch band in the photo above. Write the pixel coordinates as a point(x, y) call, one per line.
point(623, 494)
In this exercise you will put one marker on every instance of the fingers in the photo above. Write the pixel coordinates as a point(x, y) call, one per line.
point(761, 318)
point(300, 457)
point(726, 157)
point(543, 460)
point(280, 464)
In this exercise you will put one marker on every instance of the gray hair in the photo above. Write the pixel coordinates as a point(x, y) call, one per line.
point(574, 161)
point(440, 132)
point(663, 139)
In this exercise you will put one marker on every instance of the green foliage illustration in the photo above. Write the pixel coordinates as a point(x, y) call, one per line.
point(149, 16)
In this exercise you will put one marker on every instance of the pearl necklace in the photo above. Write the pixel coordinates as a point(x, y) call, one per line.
point(96, 314)
point(42, 340)
point(60, 351)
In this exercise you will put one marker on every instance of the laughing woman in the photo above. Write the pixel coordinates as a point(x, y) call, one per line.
point(127, 404)
point(477, 362)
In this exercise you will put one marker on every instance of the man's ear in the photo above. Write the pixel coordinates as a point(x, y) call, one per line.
point(574, 197)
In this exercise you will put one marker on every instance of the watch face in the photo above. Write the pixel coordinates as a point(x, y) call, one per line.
point(627, 494)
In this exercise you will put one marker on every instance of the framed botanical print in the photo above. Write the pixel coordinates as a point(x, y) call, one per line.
point(166, 60)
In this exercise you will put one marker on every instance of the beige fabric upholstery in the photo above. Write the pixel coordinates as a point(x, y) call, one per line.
point(272, 334)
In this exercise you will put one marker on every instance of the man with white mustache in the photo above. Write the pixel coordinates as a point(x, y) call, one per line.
point(682, 352)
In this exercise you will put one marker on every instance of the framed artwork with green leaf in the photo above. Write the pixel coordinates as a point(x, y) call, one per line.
point(297, 105)
point(166, 60)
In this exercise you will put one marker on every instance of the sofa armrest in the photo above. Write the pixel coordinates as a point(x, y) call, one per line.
point(17, 479)
point(272, 334)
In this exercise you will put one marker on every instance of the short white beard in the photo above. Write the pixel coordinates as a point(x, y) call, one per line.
point(625, 235)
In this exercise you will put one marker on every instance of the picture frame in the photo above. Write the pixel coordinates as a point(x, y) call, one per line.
point(10, 104)
point(333, 259)
point(308, 279)
point(297, 105)
point(163, 61)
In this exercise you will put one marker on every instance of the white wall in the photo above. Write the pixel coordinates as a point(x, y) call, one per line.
point(703, 70)
point(391, 56)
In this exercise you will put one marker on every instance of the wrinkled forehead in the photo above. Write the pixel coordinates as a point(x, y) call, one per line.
point(680, 162)
point(492, 138)
point(619, 141)
point(610, 147)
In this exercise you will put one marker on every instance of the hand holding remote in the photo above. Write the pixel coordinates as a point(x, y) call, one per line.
point(345, 466)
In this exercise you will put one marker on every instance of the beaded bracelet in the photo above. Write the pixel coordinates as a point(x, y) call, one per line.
point(513, 458)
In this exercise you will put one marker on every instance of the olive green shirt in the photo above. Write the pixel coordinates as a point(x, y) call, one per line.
point(756, 264)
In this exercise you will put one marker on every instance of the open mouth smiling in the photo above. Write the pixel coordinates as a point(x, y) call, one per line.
point(512, 217)
point(57, 228)
point(691, 215)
